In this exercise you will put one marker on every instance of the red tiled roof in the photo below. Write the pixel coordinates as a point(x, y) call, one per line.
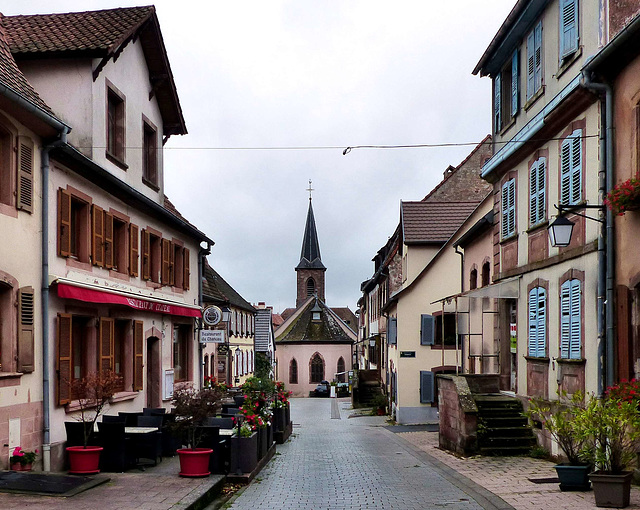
point(12, 77)
point(433, 222)
point(98, 31)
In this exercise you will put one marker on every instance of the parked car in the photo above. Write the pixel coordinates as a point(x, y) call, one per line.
point(321, 390)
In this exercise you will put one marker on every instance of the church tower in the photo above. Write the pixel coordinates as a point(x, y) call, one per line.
point(310, 270)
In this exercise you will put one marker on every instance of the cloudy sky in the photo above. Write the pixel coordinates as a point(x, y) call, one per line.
point(267, 86)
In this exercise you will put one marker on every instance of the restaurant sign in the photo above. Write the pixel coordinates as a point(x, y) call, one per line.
point(212, 336)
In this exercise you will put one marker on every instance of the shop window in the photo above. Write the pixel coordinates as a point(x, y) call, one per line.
point(181, 334)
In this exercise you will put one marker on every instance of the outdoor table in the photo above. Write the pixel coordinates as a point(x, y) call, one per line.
point(140, 430)
point(226, 432)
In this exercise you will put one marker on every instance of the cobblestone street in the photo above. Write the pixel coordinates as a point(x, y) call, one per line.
point(352, 463)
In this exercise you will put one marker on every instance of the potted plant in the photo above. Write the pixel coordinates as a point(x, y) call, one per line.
point(191, 408)
point(379, 404)
point(612, 424)
point(244, 447)
point(22, 460)
point(624, 197)
point(559, 419)
point(92, 393)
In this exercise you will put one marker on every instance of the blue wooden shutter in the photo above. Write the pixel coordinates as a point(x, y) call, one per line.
point(392, 331)
point(531, 66)
point(426, 387)
point(565, 172)
point(568, 27)
point(537, 56)
point(497, 106)
point(427, 329)
point(542, 189)
point(533, 322)
point(576, 166)
point(542, 322)
point(575, 347)
point(537, 191)
point(508, 208)
point(514, 84)
point(565, 319)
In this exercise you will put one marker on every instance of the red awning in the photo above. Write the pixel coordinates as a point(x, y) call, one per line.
point(98, 296)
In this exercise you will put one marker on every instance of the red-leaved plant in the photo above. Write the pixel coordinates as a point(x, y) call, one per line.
point(624, 196)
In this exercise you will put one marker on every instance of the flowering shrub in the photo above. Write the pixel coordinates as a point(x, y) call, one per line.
point(623, 196)
point(254, 411)
point(211, 382)
point(281, 398)
point(23, 457)
point(625, 391)
point(242, 429)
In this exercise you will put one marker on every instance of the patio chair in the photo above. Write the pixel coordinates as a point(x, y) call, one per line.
point(75, 434)
point(149, 445)
point(119, 451)
point(222, 422)
point(153, 411)
point(131, 419)
point(210, 438)
point(113, 419)
point(171, 438)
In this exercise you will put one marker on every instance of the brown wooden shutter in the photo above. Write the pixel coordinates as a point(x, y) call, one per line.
point(97, 235)
point(172, 263)
point(26, 358)
point(65, 350)
point(187, 272)
point(138, 342)
point(108, 240)
point(146, 260)
point(105, 348)
point(64, 223)
point(25, 174)
point(165, 274)
point(133, 249)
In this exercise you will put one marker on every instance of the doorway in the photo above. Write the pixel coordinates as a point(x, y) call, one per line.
point(154, 381)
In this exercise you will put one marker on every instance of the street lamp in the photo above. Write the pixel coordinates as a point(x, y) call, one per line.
point(560, 231)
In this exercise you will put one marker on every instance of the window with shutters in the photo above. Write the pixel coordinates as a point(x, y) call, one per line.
point(152, 261)
point(316, 369)
point(181, 335)
point(120, 251)
point(537, 339)
point(7, 182)
point(538, 192)
point(134, 249)
point(167, 271)
point(150, 156)
point(448, 340)
point(571, 320)
point(25, 174)
point(534, 62)
point(81, 339)
point(7, 328)
point(427, 387)
point(392, 331)
point(508, 203)
point(571, 169)
point(75, 235)
point(507, 93)
point(115, 126)
point(569, 28)
point(178, 265)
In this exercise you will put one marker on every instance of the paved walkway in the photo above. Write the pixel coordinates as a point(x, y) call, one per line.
point(355, 464)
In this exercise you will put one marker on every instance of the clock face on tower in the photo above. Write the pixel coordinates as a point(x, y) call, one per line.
point(212, 315)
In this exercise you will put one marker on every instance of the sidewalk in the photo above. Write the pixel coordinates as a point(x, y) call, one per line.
point(157, 488)
point(509, 477)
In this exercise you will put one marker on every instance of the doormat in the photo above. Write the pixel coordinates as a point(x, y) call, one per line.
point(47, 484)
point(429, 427)
point(544, 480)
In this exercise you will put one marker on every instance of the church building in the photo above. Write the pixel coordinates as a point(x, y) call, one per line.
point(315, 342)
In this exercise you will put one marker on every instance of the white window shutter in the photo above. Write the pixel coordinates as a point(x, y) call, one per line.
point(530, 66)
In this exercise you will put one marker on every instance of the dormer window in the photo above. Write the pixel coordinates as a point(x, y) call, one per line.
point(316, 313)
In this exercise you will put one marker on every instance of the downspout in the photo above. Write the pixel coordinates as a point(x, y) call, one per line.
point(201, 256)
point(461, 253)
point(44, 297)
point(606, 269)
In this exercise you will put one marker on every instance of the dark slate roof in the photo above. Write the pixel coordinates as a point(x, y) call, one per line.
point(347, 316)
point(433, 222)
point(310, 255)
point(101, 34)
point(217, 291)
point(303, 330)
point(264, 329)
point(12, 77)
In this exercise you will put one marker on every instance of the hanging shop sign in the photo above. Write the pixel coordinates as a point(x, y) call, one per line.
point(212, 336)
point(212, 315)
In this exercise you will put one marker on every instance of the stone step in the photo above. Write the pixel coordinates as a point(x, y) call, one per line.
point(505, 451)
point(508, 432)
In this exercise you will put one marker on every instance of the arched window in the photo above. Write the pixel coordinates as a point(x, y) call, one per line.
point(340, 369)
point(473, 279)
point(293, 371)
point(317, 368)
point(486, 270)
point(311, 287)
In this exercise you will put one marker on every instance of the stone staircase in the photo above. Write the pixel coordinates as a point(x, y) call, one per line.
point(503, 429)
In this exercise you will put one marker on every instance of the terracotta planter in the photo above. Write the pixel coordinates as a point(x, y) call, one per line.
point(194, 462)
point(84, 461)
point(611, 491)
point(16, 466)
point(244, 454)
point(573, 477)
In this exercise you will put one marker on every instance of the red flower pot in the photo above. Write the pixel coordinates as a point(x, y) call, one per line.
point(84, 461)
point(194, 462)
point(16, 466)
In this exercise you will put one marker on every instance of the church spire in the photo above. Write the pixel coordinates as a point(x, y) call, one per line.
point(310, 270)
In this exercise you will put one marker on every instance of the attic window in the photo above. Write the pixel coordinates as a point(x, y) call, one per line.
point(315, 313)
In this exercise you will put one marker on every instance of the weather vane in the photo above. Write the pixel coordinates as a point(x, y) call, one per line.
point(309, 189)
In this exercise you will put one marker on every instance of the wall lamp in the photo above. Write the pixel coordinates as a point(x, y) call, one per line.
point(561, 229)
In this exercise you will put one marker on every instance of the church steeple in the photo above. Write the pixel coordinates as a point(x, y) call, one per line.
point(310, 270)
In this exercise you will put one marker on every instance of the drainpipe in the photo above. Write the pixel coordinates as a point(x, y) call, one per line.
point(44, 297)
point(606, 261)
point(201, 257)
point(461, 253)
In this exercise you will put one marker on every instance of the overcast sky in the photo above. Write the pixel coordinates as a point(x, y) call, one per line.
point(313, 73)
